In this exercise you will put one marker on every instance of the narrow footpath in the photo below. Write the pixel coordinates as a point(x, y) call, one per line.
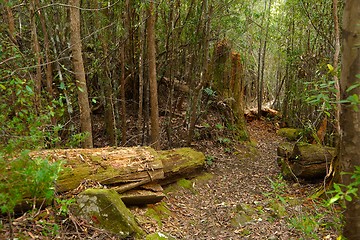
point(240, 196)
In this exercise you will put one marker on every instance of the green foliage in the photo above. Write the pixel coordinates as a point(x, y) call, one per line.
point(279, 187)
point(343, 192)
point(209, 160)
point(224, 141)
point(308, 225)
point(64, 205)
point(219, 126)
point(24, 177)
point(323, 94)
point(210, 92)
point(353, 99)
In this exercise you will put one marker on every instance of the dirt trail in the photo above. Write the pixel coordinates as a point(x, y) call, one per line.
point(231, 204)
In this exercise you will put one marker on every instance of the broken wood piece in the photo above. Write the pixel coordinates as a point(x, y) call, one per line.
point(141, 197)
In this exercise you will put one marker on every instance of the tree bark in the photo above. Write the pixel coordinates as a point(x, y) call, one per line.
point(37, 54)
point(155, 127)
point(11, 22)
point(349, 119)
point(204, 26)
point(122, 95)
point(77, 59)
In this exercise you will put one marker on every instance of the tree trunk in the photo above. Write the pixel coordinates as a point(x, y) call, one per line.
point(37, 53)
point(204, 26)
point(82, 92)
point(237, 89)
point(349, 119)
point(11, 22)
point(122, 95)
point(155, 128)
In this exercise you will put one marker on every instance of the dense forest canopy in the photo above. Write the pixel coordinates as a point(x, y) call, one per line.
point(286, 51)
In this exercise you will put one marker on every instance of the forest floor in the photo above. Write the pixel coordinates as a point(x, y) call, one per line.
point(239, 195)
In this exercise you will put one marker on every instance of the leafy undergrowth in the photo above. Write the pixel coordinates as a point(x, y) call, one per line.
point(240, 195)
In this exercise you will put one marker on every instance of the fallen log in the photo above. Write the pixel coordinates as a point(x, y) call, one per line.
point(305, 161)
point(308, 154)
point(123, 168)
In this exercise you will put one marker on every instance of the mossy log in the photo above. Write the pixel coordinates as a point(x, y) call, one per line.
point(123, 168)
point(291, 134)
point(305, 161)
point(285, 149)
point(179, 163)
point(308, 154)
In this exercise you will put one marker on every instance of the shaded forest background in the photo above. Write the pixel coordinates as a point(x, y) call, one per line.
point(210, 55)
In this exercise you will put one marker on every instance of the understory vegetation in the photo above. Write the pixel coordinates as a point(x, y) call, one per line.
point(171, 74)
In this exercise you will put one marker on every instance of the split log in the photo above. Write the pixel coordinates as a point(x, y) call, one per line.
point(179, 163)
point(123, 168)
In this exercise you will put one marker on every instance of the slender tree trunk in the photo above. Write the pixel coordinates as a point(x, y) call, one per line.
point(49, 70)
point(122, 96)
point(82, 92)
point(141, 75)
point(336, 63)
point(349, 118)
point(155, 128)
point(261, 59)
point(37, 54)
point(204, 27)
point(11, 22)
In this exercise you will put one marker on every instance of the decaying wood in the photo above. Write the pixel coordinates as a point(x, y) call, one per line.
point(285, 149)
point(180, 162)
point(108, 166)
point(307, 154)
point(305, 161)
point(148, 194)
point(309, 172)
point(122, 168)
point(252, 113)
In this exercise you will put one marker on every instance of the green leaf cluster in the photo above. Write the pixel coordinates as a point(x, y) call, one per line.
point(344, 192)
point(24, 177)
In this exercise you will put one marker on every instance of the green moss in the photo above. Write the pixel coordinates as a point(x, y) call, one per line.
point(170, 188)
point(104, 208)
point(190, 158)
point(158, 213)
point(159, 236)
point(151, 213)
point(187, 184)
point(279, 210)
point(242, 135)
point(292, 134)
point(204, 177)
point(240, 219)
